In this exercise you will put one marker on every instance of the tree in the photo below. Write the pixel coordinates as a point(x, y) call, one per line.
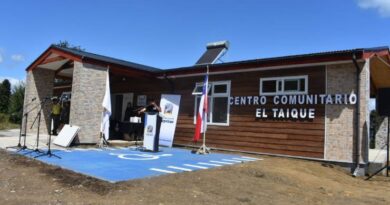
point(66, 44)
point(16, 102)
point(5, 93)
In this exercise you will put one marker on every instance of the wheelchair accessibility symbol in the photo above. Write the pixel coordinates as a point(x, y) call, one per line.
point(140, 156)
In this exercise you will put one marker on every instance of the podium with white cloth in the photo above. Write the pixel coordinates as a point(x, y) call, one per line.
point(152, 131)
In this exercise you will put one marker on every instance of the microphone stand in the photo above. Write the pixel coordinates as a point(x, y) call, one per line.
point(48, 153)
point(24, 117)
point(39, 124)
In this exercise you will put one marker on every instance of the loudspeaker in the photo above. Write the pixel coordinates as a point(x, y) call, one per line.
point(383, 101)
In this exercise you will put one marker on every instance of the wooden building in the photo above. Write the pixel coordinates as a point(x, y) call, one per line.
point(245, 98)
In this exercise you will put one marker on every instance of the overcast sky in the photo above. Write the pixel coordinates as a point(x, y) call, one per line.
point(173, 33)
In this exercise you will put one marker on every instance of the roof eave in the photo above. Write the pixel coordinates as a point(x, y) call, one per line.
point(81, 58)
point(269, 62)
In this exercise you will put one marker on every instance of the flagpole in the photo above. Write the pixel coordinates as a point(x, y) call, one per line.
point(102, 143)
point(204, 149)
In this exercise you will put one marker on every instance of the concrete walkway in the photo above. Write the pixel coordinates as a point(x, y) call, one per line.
point(11, 138)
point(377, 159)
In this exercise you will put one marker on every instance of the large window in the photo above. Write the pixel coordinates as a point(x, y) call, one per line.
point(283, 85)
point(218, 99)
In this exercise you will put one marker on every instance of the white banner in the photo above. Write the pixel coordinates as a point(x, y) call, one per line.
point(149, 131)
point(169, 111)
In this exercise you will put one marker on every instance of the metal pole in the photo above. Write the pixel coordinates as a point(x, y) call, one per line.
point(39, 124)
point(388, 134)
point(205, 112)
point(25, 130)
point(204, 141)
point(203, 149)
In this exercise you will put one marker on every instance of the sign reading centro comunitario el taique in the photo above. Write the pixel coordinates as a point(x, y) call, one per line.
point(291, 100)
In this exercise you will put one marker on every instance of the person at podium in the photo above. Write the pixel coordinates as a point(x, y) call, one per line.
point(152, 107)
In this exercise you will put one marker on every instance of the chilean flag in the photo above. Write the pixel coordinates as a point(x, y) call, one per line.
point(201, 117)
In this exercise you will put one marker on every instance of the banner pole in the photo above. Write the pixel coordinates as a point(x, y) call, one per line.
point(204, 149)
point(102, 143)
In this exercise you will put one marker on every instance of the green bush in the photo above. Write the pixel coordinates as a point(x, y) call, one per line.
point(16, 103)
point(5, 122)
point(3, 118)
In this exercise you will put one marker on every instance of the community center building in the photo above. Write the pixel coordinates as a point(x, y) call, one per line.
point(313, 106)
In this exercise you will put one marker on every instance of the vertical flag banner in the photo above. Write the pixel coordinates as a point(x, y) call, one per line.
point(201, 117)
point(105, 124)
point(169, 112)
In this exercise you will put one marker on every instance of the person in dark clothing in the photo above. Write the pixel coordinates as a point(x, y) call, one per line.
point(151, 107)
point(130, 112)
point(131, 128)
point(64, 118)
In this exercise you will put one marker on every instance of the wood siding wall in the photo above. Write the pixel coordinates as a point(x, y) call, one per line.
point(152, 88)
point(245, 132)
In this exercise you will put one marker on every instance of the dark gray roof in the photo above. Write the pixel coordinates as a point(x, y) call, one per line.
point(299, 57)
point(286, 59)
point(107, 59)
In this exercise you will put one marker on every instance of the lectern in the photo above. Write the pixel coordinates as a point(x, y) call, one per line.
point(152, 131)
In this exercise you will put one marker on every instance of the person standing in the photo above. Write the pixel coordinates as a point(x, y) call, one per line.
point(152, 107)
point(65, 111)
point(129, 112)
point(55, 115)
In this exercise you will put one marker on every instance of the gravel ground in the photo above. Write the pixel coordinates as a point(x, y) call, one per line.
point(271, 181)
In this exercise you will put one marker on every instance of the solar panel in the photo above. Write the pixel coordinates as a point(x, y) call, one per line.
point(214, 51)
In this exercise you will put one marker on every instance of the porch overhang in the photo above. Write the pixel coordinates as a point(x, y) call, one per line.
point(61, 61)
point(380, 73)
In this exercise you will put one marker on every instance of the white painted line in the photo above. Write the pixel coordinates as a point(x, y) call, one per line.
point(209, 164)
point(218, 162)
point(195, 166)
point(180, 168)
point(230, 160)
point(243, 159)
point(162, 170)
point(251, 158)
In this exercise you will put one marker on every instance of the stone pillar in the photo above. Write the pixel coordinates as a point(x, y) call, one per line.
point(88, 88)
point(340, 119)
point(39, 85)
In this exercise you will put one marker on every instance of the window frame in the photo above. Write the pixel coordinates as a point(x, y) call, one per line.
point(280, 83)
point(211, 102)
point(198, 85)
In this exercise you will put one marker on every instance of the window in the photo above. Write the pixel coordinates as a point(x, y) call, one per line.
point(218, 99)
point(199, 89)
point(283, 85)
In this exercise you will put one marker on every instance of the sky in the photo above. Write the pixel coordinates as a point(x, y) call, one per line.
point(174, 33)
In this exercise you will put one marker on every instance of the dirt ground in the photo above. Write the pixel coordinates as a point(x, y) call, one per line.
point(271, 181)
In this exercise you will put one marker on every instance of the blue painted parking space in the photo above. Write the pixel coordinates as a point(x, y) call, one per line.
point(122, 164)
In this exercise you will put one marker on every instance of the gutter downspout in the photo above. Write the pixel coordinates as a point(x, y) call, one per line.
point(357, 114)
